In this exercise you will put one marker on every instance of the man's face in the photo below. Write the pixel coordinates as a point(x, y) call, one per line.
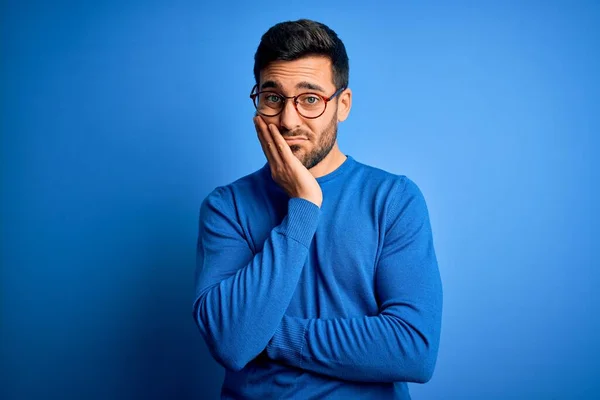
point(309, 139)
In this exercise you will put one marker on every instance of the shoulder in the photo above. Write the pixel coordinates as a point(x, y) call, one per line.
point(395, 184)
point(398, 196)
point(226, 197)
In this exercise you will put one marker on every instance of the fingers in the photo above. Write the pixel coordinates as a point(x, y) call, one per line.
point(266, 141)
point(276, 146)
point(281, 145)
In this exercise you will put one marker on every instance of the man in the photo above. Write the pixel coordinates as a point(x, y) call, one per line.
point(316, 276)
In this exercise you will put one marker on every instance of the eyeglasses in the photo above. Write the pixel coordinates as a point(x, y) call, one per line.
point(308, 105)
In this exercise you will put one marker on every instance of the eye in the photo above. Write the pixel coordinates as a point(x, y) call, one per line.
point(309, 99)
point(272, 98)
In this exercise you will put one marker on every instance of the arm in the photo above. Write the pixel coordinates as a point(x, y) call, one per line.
point(401, 342)
point(241, 297)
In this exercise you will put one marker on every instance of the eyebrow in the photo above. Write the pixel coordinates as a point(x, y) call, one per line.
point(300, 85)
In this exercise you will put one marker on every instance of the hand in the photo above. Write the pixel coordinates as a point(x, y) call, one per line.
point(289, 173)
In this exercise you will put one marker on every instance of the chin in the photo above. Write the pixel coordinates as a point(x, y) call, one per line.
point(300, 156)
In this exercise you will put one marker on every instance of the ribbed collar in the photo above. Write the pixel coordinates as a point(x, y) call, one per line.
point(341, 170)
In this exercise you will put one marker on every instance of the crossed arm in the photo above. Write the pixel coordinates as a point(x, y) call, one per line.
point(241, 304)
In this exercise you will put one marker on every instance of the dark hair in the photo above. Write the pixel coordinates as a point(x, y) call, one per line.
point(291, 40)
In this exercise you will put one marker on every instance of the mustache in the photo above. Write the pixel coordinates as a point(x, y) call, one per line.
point(286, 133)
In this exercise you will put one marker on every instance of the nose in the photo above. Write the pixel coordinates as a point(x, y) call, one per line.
point(289, 119)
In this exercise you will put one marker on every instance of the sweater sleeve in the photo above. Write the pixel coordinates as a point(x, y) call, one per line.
point(241, 297)
point(401, 342)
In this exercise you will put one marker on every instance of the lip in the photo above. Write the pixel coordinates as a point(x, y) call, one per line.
point(293, 140)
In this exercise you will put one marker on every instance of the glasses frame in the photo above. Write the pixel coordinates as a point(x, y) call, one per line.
point(253, 96)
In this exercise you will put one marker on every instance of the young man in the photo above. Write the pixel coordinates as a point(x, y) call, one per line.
point(316, 276)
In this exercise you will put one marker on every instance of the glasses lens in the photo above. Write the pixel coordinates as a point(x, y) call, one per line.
point(269, 103)
point(310, 105)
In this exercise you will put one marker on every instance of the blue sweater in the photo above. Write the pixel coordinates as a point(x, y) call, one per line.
point(338, 302)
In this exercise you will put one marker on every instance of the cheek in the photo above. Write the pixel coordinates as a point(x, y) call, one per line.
point(271, 120)
point(315, 130)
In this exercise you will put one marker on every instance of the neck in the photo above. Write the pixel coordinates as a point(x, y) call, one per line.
point(330, 163)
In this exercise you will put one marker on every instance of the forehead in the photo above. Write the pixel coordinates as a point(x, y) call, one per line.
point(287, 74)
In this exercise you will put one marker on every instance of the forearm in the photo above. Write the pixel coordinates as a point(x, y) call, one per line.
point(383, 348)
point(238, 314)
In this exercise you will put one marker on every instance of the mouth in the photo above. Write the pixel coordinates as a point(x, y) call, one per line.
point(295, 140)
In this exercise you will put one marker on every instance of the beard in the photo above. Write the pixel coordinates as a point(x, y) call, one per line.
point(323, 147)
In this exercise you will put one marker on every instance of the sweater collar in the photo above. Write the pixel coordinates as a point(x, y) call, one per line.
point(341, 170)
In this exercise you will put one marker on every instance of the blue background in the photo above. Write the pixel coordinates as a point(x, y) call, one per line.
point(119, 118)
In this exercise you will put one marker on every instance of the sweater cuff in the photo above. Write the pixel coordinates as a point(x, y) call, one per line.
point(288, 342)
point(301, 221)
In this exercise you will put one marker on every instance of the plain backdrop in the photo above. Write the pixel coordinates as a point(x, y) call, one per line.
point(118, 118)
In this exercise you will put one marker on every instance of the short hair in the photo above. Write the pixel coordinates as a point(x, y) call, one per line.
point(291, 40)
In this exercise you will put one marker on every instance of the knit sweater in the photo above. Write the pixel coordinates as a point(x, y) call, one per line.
point(338, 302)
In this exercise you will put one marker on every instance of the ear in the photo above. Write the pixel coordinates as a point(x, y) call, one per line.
point(344, 105)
